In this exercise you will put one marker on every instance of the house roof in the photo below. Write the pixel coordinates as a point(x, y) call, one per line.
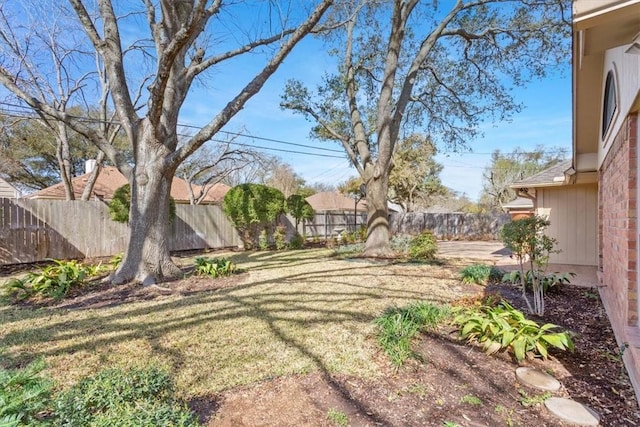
point(8, 190)
point(334, 201)
point(519, 203)
point(110, 179)
point(553, 176)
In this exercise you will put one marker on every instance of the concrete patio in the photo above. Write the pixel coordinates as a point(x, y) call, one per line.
point(495, 253)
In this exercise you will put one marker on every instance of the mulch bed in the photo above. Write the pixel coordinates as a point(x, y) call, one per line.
point(453, 382)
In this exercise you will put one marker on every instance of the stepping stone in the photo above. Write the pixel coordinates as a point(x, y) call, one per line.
point(572, 412)
point(537, 379)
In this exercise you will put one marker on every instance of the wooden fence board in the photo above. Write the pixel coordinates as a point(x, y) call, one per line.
point(34, 230)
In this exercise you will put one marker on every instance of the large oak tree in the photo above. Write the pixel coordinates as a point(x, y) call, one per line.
point(437, 68)
point(178, 41)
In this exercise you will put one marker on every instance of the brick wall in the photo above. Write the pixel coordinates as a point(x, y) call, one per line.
point(618, 232)
point(618, 223)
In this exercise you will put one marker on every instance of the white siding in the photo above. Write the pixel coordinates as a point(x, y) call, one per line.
point(7, 190)
point(627, 77)
point(573, 213)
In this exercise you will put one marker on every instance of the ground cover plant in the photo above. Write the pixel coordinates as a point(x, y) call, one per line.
point(481, 274)
point(113, 397)
point(295, 336)
point(24, 395)
point(399, 326)
point(135, 397)
point(52, 281)
point(214, 267)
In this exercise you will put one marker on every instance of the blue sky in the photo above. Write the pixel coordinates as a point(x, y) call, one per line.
point(545, 120)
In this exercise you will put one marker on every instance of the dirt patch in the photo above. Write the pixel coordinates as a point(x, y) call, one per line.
point(453, 383)
point(106, 295)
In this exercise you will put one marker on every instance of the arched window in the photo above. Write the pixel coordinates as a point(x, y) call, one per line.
point(609, 103)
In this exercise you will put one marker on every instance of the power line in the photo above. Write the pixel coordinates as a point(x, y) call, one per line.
point(22, 115)
point(278, 141)
point(277, 149)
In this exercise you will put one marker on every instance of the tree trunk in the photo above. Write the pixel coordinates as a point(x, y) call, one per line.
point(378, 233)
point(147, 259)
point(64, 160)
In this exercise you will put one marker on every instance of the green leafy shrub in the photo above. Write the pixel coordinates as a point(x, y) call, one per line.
point(280, 237)
point(121, 203)
point(263, 240)
point(503, 327)
point(423, 246)
point(297, 241)
point(24, 395)
point(481, 274)
point(137, 397)
point(299, 209)
point(214, 267)
point(251, 208)
point(548, 281)
point(53, 281)
point(398, 326)
point(526, 239)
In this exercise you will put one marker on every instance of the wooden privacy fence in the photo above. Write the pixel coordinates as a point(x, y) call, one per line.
point(450, 226)
point(34, 230)
point(330, 224)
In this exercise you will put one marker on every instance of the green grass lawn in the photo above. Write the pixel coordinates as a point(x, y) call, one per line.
point(292, 312)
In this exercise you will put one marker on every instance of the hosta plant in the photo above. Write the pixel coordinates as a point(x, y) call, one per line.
point(548, 281)
point(504, 328)
point(53, 281)
point(214, 267)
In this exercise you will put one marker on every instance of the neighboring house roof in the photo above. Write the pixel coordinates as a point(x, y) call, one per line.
point(7, 190)
point(110, 179)
point(519, 204)
point(333, 201)
point(553, 176)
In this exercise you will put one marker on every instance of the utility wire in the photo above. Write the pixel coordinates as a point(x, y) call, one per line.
point(23, 113)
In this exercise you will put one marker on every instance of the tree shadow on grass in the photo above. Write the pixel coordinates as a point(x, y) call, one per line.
point(281, 305)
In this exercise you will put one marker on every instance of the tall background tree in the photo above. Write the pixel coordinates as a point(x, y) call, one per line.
point(178, 44)
point(438, 67)
point(507, 168)
point(29, 151)
point(213, 163)
point(414, 181)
